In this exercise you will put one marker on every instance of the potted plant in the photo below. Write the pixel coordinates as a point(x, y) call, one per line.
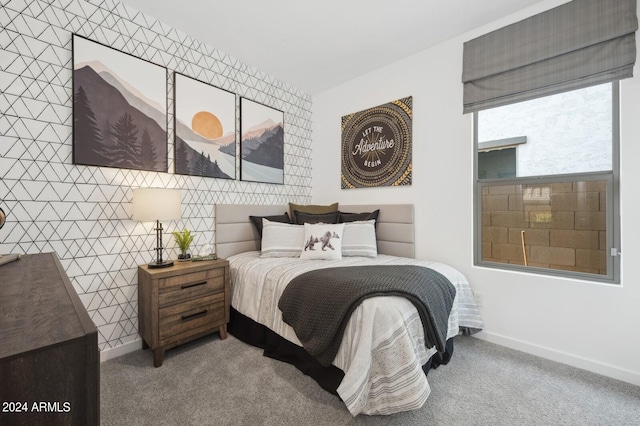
point(183, 239)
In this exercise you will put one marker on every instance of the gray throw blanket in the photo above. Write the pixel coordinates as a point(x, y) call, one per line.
point(318, 304)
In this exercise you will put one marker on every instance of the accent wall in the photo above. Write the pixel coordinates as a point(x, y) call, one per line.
point(83, 213)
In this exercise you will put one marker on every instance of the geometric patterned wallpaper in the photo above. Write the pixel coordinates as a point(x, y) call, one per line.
point(82, 213)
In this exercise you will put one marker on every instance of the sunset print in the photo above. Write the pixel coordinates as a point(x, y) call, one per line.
point(205, 131)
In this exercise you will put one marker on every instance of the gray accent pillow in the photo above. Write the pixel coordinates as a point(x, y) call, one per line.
point(257, 220)
point(301, 218)
point(312, 208)
point(352, 217)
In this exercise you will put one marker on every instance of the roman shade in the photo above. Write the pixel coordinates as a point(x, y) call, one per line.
point(578, 44)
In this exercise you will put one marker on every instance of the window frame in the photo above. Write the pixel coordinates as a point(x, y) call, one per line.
point(613, 230)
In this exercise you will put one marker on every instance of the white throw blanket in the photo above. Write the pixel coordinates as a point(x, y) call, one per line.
point(383, 339)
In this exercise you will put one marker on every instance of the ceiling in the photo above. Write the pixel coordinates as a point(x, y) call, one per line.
point(316, 45)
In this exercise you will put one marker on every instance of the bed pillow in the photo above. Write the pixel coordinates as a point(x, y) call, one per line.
point(359, 239)
point(322, 241)
point(257, 220)
point(311, 208)
point(301, 218)
point(352, 217)
point(281, 239)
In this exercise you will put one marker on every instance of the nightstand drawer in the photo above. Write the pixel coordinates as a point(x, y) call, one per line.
point(183, 287)
point(180, 318)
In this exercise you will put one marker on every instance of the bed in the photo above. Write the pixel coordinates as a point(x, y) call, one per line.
point(381, 364)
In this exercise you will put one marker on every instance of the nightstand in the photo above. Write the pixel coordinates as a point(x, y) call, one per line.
point(182, 303)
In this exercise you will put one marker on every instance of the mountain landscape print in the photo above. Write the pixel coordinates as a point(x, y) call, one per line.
point(262, 143)
point(119, 109)
point(205, 129)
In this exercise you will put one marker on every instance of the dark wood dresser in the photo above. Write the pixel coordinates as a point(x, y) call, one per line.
point(182, 303)
point(49, 358)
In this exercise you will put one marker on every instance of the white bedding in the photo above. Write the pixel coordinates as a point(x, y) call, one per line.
point(382, 350)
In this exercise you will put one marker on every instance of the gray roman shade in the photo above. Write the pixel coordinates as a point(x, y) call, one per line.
point(578, 44)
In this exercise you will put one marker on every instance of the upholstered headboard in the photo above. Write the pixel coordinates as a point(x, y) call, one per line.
point(234, 232)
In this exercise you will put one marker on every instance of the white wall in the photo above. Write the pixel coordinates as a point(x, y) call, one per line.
point(592, 326)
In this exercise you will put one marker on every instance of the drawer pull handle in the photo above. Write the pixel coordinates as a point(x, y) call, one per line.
point(196, 315)
point(193, 285)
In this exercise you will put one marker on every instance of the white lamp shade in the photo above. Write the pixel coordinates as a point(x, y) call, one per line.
point(150, 204)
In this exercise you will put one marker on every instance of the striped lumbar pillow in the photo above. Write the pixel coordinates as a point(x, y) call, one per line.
point(281, 239)
point(360, 239)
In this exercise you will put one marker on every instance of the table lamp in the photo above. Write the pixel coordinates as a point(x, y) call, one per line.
point(156, 204)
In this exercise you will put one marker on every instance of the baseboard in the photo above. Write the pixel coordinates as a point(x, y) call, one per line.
point(562, 357)
point(111, 353)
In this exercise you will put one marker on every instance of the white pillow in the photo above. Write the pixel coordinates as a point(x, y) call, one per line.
point(322, 241)
point(281, 239)
point(360, 239)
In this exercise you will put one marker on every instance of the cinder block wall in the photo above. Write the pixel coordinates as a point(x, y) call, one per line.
point(564, 225)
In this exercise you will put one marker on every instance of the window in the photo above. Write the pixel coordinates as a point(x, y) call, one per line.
point(497, 163)
point(550, 205)
point(497, 158)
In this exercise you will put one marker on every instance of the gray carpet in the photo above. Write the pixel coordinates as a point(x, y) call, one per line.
point(226, 382)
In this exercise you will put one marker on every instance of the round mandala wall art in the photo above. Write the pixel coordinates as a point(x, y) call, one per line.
point(376, 146)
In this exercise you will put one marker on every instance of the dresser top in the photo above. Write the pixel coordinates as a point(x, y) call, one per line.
point(38, 306)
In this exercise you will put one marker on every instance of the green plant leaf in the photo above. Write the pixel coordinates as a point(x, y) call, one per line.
point(183, 239)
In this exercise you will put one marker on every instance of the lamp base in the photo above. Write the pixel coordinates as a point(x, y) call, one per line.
point(164, 264)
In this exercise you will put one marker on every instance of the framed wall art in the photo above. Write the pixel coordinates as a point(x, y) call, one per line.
point(119, 109)
point(205, 129)
point(261, 143)
point(376, 146)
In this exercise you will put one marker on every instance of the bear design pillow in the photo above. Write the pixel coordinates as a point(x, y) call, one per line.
point(322, 241)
